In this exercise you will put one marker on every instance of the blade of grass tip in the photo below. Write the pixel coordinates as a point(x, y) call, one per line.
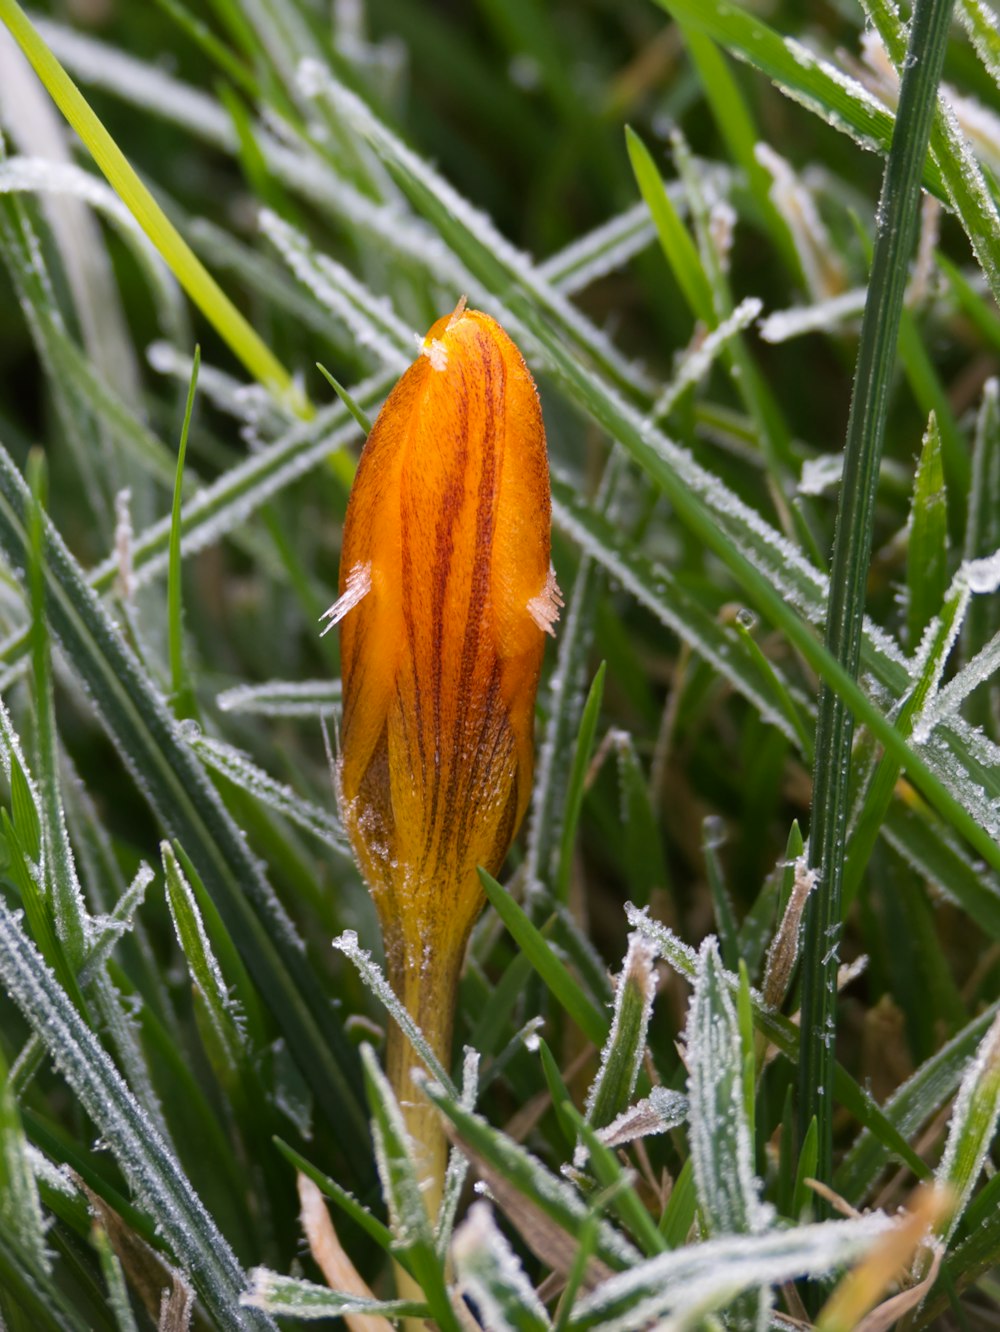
point(359, 415)
point(234, 329)
point(735, 122)
point(577, 782)
point(182, 693)
point(897, 226)
point(537, 949)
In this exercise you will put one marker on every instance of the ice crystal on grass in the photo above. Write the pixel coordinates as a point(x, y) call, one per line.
point(699, 359)
point(371, 974)
point(237, 768)
point(282, 698)
point(719, 1130)
point(824, 316)
point(488, 1271)
point(141, 1153)
point(625, 1047)
point(369, 318)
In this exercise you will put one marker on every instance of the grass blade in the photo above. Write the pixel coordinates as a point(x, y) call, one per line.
point(898, 214)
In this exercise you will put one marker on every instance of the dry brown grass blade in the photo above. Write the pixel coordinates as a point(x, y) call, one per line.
point(338, 1271)
point(852, 1305)
point(159, 1287)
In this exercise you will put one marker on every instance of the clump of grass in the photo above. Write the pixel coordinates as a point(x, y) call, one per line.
point(767, 779)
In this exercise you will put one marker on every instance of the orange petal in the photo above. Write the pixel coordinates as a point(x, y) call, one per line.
point(446, 597)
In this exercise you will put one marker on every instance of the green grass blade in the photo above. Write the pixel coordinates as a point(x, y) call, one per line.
point(927, 558)
point(142, 1155)
point(183, 698)
point(411, 1227)
point(536, 948)
point(898, 214)
point(576, 786)
point(973, 1124)
point(185, 801)
point(488, 1269)
point(234, 329)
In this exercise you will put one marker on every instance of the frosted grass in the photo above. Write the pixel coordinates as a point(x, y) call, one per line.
point(142, 84)
point(225, 1016)
point(370, 319)
point(702, 1277)
point(718, 1126)
point(605, 249)
point(282, 698)
point(489, 1272)
point(369, 971)
point(697, 362)
point(983, 28)
point(240, 769)
point(319, 81)
point(141, 1153)
point(821, 266)
point(825, 316)
point(457, 1169)
point(973, 1124)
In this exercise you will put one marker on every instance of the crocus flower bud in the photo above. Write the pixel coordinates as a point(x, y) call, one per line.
point(446, 595)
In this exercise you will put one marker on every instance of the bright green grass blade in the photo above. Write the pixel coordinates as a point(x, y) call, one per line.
point(186, 802)
point(553, 972)
point(677, 245)
point(183, 697)
point(898, 211)
point(233, 328)
point(345, 397)
point(576, 785)
point(927, 551)
point(140, 1152)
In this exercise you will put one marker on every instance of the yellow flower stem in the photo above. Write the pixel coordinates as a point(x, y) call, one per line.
point(425, 980)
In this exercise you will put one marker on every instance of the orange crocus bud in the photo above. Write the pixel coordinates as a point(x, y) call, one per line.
point(446, 595)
